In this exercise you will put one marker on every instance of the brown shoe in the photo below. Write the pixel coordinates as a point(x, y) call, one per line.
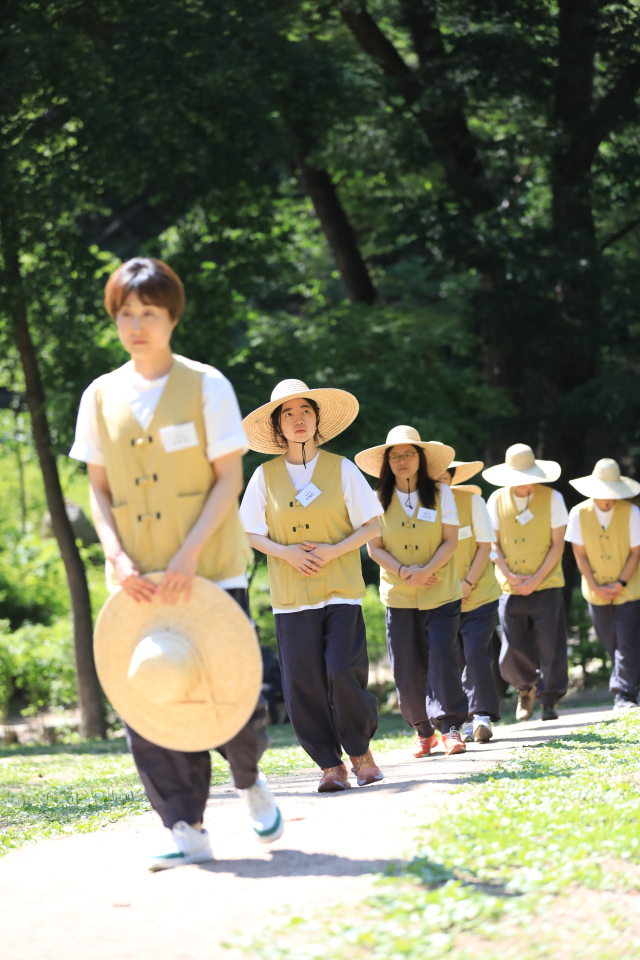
point(334, 779)
point(526, 703)
point(422, 746)
point(365, 769)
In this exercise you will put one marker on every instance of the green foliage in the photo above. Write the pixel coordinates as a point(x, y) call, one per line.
point(584, 646)
point(32, 581)
point(37, 664)
point(560, 816)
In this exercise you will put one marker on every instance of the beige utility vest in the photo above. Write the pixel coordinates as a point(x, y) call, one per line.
point(412, 541)
point(158, 496)
point(487, 588)
point(526, 546)
point(324, 520)
point(608, 551)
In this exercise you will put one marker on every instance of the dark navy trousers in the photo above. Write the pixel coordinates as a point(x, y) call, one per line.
point(177, 783)
point(534, 643)
point(476, 660)
point(618, 629)
point(325, 672)
point(422, 647)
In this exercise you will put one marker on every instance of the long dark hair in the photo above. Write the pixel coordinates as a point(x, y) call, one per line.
point(387, 482)
point(279, 436)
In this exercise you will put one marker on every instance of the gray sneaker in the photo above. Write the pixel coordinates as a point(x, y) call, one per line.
point(622, 703)
point(482, 731)
point(467, 732)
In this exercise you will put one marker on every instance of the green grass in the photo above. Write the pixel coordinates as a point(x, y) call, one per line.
point(49, 791)
point(559, 818)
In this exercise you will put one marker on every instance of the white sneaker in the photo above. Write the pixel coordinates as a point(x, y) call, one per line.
point(467, 732)
point(266, 819)
point(482, 731)
point(189, 846)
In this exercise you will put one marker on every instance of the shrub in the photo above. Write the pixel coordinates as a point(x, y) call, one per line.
point(37, 665)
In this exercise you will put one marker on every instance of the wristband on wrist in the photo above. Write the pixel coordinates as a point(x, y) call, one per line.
point(623, 582)
point(469, 582)
point(399, 569)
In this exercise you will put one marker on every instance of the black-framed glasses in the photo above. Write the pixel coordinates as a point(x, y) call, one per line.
point(397, 457)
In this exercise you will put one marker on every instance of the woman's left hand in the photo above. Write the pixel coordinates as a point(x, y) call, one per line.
point(466, 590)
point(324, 552)
point(178, 579)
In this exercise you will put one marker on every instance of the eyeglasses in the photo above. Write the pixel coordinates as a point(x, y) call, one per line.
point(397, 457)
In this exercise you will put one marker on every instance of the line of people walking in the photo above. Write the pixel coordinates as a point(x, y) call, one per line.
point(163, 441)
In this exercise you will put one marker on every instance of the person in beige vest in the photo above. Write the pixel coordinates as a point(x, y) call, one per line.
point(605, 534)
point(480, 594)
point(310, 512)
point(529, 520)
point(419, 584)
point(163, 442)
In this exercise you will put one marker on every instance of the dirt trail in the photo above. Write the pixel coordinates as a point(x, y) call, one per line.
point(90, 897)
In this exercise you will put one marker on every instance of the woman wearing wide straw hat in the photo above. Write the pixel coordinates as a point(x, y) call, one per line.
point(419, 584)
point(605, 533)
point(163, 441)
point(529, 520)
point(310, 511)
point(480, 594)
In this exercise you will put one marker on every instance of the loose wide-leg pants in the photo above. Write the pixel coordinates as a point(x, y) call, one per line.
point(422, 647)
point(618, 629)
point(325, 671)
point(177, 783)
point(534, 643)
point(476, 660)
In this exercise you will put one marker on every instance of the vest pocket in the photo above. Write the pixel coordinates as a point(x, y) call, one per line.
point(188, 507)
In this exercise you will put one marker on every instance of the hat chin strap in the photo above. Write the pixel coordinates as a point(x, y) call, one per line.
point(304, 453)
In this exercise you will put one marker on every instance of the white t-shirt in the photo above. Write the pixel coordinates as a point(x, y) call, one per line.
point(409, 503)
point(574, 531)
point(222, 422)
point(361, 501)
point(559, 515)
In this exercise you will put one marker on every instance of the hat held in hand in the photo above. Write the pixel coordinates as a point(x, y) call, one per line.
point(186, 677)
point(521, 468)
point(605, 483)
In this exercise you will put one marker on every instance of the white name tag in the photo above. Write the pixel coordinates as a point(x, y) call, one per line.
point(180, 437)
point(464, 533)
point(426, 514)
point(524, 517)
point(308, 494)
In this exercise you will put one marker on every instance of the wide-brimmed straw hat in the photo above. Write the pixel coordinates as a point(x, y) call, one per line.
point(521, 468)
point(438, 455)
point(465, 469)
point(605, 483)
point(186, 677)
point(337, 410)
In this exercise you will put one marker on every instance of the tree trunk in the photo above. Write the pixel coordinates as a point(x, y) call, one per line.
point(320, 189)
point(89, 692)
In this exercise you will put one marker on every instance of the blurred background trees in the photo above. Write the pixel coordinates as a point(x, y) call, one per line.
point(433, 205)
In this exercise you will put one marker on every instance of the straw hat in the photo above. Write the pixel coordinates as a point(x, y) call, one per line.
point(337, 410)
point(438, 454)
point(605, 483)
point(186, 677)
point(465, 470)
point(521, 467)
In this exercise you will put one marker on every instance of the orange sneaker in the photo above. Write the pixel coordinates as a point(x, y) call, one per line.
point(453, 742)
point(366, 769)
point(334, 779)
point(422, 746)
